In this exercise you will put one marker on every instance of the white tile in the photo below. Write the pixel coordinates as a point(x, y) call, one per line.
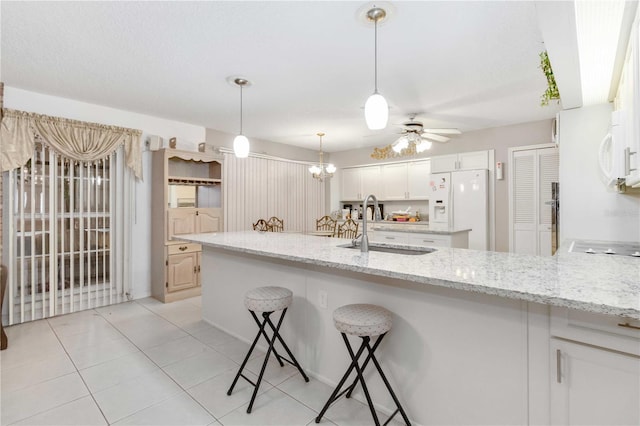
point(91, 337)
point(198, 368)
point(271, 408)
point(37, 371)
point(78, 323)
point(213, 336)
point(114, 372)
point(350, 412)
point(84, 357)
point(81, 412)
point(313, 394)
point(175, 350)
point(30, 342)
point(23, 403)
point(129, 397)
point(274, 373)
point(212, 393)
point(237, 350)
point(124, 311)
point(177, 410)
point(155, 335)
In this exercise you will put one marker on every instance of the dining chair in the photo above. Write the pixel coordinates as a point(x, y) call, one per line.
point(326, 223)
point(275, 224)
point(261, 225)
point(349, 229)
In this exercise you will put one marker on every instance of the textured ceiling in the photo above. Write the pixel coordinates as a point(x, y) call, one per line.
point(469, 65)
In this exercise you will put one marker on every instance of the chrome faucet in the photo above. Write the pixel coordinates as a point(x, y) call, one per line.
point(364, 242)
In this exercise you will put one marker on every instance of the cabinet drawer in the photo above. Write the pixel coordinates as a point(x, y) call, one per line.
point(183, 248)
point(391, 237)
point(620, 334)
point(430, 240)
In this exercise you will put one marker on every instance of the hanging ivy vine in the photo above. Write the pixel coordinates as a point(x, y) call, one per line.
point(552, 90)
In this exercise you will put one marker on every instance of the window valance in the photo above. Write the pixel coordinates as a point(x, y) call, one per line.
point(78, 140)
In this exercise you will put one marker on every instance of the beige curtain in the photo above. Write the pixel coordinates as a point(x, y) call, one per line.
point(77, 140)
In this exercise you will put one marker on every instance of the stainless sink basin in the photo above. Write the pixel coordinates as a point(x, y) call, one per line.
point(393, 249)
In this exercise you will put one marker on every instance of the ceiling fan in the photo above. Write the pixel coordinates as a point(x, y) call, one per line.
point(414, 132)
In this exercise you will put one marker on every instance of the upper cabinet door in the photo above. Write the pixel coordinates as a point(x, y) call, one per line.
point(351, 184)
point(473, 160)
point(181, 221)
point(394, 181)
point(418, 180)
point(209, 220)
point(444, 163)
point(369, 181)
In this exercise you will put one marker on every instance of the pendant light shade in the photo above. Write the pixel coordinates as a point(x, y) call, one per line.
point(376, 110)
point(241, 143)
point(241, 146)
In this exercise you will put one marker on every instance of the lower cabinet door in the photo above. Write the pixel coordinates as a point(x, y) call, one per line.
point(593, 386)
point(182, 271)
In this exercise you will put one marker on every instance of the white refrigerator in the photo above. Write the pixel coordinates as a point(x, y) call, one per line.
point(460, 200)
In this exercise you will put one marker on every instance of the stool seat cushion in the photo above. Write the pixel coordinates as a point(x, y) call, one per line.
point(362, 320)
point(268, 299)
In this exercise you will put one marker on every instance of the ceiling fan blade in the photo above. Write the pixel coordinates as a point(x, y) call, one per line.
point(444, 131)
point(436, 138)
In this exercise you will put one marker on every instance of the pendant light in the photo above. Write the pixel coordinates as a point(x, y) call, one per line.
point(241, 143)
point(376, 110)
point(320, 171)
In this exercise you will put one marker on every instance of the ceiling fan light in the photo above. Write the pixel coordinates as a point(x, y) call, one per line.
point(376, 112)
point(331, 168)
point(400, 144)
point(241, 146)
point(423, 146)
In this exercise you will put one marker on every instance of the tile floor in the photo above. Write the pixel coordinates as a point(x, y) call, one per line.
point(148, 363)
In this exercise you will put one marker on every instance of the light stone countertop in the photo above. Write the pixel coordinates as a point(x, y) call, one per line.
point(601, 284)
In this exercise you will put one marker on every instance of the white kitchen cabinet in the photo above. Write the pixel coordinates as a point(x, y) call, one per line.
point(357, 182)
point(593, 386)
point(595, 369)
point(406, 181)
point(474, 160)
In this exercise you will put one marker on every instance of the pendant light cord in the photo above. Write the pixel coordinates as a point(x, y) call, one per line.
point(241, 108)
point(375, 55)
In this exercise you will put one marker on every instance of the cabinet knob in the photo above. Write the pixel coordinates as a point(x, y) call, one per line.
point(182, 248)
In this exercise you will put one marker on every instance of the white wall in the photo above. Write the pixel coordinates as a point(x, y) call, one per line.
point(189, 135)
point(588, 209)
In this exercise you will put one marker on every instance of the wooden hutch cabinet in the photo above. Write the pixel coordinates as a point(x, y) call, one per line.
point(186, 199)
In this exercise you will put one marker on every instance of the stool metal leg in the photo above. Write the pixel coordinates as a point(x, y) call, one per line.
point(271, 342)
point(360, 378)
point(335, 395)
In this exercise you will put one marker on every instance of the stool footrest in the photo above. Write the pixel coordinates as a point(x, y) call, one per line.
point(248, 379)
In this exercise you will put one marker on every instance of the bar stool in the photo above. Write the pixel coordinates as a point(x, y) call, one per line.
point(267, 300)
point(364, 321)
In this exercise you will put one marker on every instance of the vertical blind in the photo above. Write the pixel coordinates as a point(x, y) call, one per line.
point(259, 188)
point(68, 234)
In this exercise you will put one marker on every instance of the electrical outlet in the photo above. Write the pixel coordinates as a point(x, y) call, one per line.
point(322, 299)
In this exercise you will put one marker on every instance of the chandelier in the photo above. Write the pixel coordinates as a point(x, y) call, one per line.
point(411, 138)
point(321, 171)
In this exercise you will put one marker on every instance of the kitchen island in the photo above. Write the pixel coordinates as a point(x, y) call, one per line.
point(471, 337)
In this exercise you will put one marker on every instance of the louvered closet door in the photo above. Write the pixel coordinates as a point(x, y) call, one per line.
point(533, 171)
point(524, 202)
point(548, 164)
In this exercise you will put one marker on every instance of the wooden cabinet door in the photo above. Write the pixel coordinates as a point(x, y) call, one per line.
point(593, 386)
point(208, 220)
point(418, 180)
point(182, 271)
point(181, 221)
point(394, 181)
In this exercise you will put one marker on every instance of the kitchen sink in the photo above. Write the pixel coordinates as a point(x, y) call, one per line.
point(393, 249)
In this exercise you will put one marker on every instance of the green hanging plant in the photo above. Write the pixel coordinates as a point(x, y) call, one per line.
point(552, 90)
